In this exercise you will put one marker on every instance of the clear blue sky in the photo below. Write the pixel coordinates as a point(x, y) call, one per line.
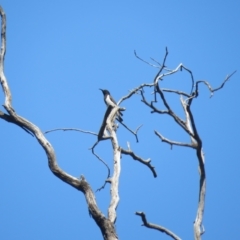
point(58, 54)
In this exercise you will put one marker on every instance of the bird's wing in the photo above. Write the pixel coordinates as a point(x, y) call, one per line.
point(110, 101)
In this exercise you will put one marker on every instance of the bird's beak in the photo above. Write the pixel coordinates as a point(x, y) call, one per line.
point(100, 89)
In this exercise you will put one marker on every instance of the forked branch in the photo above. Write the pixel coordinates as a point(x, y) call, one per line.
point(188, 125)
point(156, 227)
point(137, 158)
point(106, 225)
point(215, 89)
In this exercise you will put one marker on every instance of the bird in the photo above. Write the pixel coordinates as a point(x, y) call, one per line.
point(109, 101)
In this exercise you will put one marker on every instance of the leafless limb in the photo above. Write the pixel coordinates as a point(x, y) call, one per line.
point(215, 89)
point(135, 91)
point(70, 129)
point(177, 119)
point(133, 132)
point(11, 120)
point(168, 111)
point(156, 227)
point(171, 143)
point(162, 67)
point(112, 215)
point(152, 106)
point(188, 125)
point(137, 158)
point(159, 75)
point(155, 61)
point(176, 91)
point(108, 169)
point(105, 224)
point(150, 64)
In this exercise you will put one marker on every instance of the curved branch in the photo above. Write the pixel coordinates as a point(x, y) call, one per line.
point(215, 89)
point(134, 91)
point(152, 65)
point(176, 91)
point(174, 142)
point(177, 119)
point(137, 158)
point(130, 130)
point(70, 129)
point(152, 106)
point(106, 226)
point(156, 227)
point(108, 169)
point(11, 120)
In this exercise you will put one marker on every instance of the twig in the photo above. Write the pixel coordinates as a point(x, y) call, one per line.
point(215, 89)
point(171, 143)
point(176, 91)
point(152, 65)
point(152, 106)
point(134, 91)
point(133, 132)
point(108, 169)
point(70, 129)
point(156, 227)
point(177, 119)
point(137, 158)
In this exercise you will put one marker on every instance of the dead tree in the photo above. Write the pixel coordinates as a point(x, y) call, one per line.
point(105, 223)
point(188, 125)
point(108, 131)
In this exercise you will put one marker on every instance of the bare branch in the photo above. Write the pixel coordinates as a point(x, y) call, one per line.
point(215, 89)
point(155, 61)
point(190, 122)
point(106, 226)
point(70, 129)
point(177, 119)
point(171, 143)
point(11, 120)
point(158, 76)
point(152, 106)
point(166, 69)
point(112, 215)
point(137, 158)
point(108, 169)
point(190, 127)
point(176, 91)
point(3, 80)
point(156, 227)
point(190, 72)
point(133, 132)
point(170, 72)
point(152, 65)
point(134, 91)
point(198, 227)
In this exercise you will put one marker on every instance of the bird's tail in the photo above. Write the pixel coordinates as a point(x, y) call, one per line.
point(119, 114)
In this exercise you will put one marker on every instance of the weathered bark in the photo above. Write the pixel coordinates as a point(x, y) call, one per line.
point(188, 125)
point(106, 225)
